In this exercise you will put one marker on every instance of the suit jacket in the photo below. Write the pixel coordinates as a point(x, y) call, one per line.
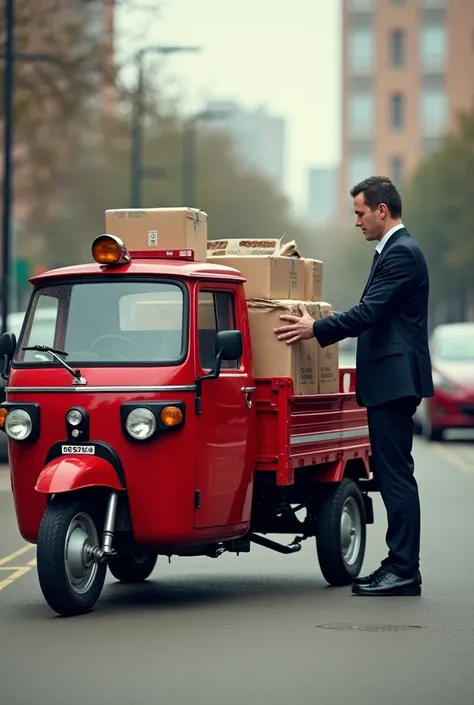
point(391, 324)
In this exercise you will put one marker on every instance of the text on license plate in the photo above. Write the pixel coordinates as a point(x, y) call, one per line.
point(78, 450)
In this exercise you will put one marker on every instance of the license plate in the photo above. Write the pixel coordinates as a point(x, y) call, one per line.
point(78, 450)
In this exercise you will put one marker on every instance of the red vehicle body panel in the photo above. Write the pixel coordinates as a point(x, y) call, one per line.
point(453, 408)
point(68, 473)
point(320, 433)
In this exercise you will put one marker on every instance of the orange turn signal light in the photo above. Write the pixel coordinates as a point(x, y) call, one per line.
point(3, 416)
point(171, 415)
point(108, 249)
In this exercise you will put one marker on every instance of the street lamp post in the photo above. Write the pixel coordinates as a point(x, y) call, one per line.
point(7, 161)
point(136, 171)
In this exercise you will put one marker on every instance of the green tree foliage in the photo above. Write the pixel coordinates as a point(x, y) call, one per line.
point(439, 212)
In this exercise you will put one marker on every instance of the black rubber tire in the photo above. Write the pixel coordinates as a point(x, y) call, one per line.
point(128, 569)
point(334, 568)
point(51, 568)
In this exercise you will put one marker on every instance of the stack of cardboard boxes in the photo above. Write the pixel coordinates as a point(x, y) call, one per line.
point(277, 280)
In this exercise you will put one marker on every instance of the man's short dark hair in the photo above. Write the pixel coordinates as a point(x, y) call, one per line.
point(377, 190)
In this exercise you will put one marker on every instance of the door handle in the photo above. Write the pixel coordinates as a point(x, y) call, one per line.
point(248, 391)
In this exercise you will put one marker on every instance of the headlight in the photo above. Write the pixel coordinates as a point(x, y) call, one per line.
point(74, 417)
point(141, 424)
point(18, 424)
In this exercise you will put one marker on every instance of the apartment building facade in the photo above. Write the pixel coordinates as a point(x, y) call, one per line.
point(408, 69)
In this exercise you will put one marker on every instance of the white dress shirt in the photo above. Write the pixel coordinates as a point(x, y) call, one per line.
point(387, 236)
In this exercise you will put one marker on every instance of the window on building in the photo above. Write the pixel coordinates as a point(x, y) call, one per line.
point(433, 110)
point(397, 48)
point(396, 169)
point(433, 46)
point(361, 4)
point(397, 110)
point(359, 167)
point(433, 3)
point(361, 114)
point(361, 49)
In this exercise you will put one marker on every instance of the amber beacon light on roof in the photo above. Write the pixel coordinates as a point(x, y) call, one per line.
point(110, 250)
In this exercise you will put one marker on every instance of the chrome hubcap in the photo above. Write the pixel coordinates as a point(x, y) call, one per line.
point(350, 531)
point(81, 569)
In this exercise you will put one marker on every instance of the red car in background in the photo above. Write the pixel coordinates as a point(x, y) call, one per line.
point(452, 357)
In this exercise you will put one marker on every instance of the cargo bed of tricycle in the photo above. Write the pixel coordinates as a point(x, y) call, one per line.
point(318, 437)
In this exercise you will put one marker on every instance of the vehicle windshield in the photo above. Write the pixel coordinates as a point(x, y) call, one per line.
point(456, 349)
point(107, 322)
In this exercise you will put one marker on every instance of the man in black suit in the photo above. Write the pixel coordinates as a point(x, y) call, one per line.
point(393, 372)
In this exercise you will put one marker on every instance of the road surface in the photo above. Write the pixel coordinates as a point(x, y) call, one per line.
point(261, 629)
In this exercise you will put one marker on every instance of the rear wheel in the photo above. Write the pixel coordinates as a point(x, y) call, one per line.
point(341, 533)
point(70, 579)
point(133, 568)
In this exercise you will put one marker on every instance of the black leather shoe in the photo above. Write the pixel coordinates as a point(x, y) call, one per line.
point(388, 584)
point(368, 579)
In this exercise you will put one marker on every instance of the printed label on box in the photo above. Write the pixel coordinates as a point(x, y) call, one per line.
point(152, 238)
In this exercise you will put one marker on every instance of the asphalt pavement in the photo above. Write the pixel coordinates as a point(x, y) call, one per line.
point(261, 628)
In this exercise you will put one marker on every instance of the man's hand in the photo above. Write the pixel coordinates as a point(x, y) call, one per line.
point(301, 327)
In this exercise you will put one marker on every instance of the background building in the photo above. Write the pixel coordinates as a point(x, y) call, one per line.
point(408, 68)
point(258, 136)
point(322, 195)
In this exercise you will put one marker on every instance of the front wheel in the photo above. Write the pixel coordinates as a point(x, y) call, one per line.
point(70, 579)
point(341, 533)
point(133, 568)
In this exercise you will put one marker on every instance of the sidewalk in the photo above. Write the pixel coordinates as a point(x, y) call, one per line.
point(4, 479)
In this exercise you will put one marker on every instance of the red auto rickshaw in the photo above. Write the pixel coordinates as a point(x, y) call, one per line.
point(136, 429)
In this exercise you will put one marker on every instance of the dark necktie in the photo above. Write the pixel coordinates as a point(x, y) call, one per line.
point(374, 261)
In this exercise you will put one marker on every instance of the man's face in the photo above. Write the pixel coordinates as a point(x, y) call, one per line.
point(371, 222)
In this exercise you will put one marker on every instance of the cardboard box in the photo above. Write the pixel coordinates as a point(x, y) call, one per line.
point(297, 279)
point(328, 357)
point(158, 315)
point(160, 229)
point(251, 247)
point(313, 279)
point(267, 277)
point(244, 247)
point(314, 370)
point(273, 357)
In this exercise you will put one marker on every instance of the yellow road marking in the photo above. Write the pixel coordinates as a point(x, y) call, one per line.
point(32, 562)
point(15, 554)
point(454, 459)
point(19, 573)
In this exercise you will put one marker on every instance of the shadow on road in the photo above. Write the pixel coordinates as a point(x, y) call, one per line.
point(194, 591)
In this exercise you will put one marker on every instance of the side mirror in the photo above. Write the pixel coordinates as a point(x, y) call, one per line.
point(229, 344)
point(7, 350)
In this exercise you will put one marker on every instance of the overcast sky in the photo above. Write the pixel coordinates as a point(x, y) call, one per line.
point(281, 54)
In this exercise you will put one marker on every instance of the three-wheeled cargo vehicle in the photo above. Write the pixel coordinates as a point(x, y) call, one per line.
point(130, 441)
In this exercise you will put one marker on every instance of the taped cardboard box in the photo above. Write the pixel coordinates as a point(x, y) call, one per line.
point(273, 357)
point(328, 357)
point(251, 247)
point(268, 277)
point(313, 279)
point(314, 370)
point(297, 279)
point(160, 229)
